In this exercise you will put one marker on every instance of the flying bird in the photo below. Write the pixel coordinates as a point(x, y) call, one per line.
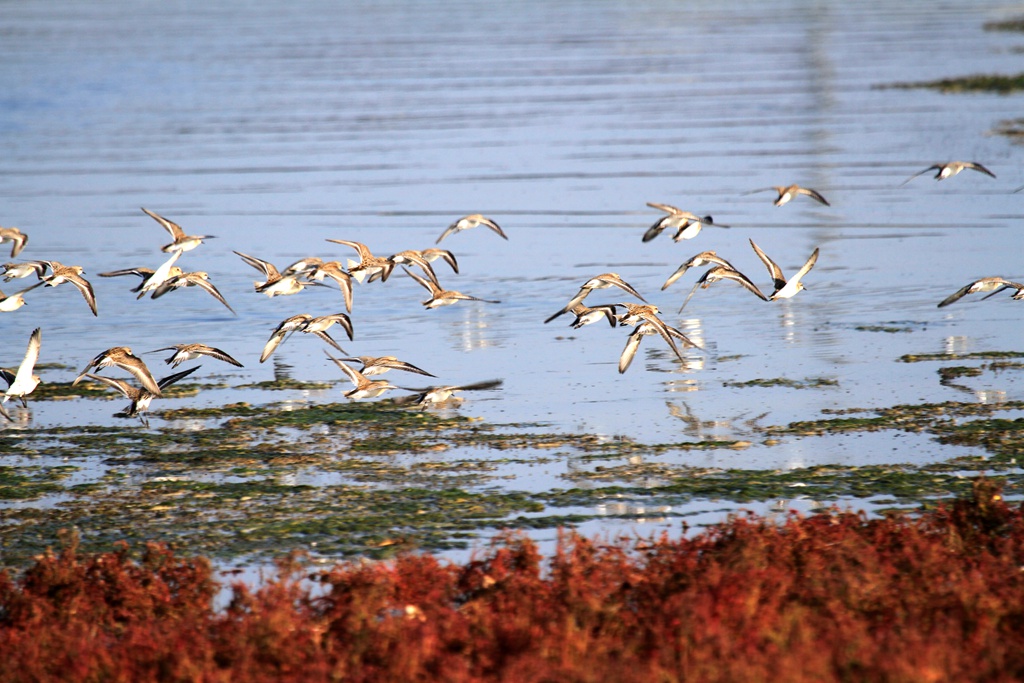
point(985, 284)
point(603, 281)
point(60, 274)
point(785, 289)
point(140, 397)
point(787, 194)
point(186, 352)
point(471, 221)
point(687, 225)
point(23, 382)
point(182, 242)
point(442, 297)
point(122, 357)
point(16, 237)
point(950, 169)
point(720, 274)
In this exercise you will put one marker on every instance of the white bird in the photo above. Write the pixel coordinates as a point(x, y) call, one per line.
point(24, 382)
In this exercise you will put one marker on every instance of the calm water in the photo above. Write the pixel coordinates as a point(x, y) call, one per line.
point(382, 122)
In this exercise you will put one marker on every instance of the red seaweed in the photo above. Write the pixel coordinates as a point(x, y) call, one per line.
point(833, 597)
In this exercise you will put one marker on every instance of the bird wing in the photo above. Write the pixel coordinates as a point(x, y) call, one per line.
point(173, 228)
point(957, 295)
point(430, 286)
point(207, 286)
point(354, 375)
point(806, 268)
point(632, 344)
point(813, 194)
point(737, 276)
point(454, 227)
point(268, 269)
point(138, 368)
point(28, 363)
point(933, 167)
point(967, 164)
point(773, 269)
point(656, 229)
point(479, 386)
point(622, 284)
point(123, 387)
point(85, 288)
point(218, 354)
point(667, 208)
point(171, 379)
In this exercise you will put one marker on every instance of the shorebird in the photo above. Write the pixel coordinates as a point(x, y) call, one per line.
point(73, 274)
point(442, 394)
point(166, 270)
point(416, 258)
point(378, 365)
point(20, 270)
point(304, 322)
point(985, 284)
point(23, 382)
point(603, 281)
point(364, 388)
point(182, 242)
point(187, 352)
point(786, 194)
point(304, 266)
point(199, 278)
point(443, 297)
point(16, 300)
point(433, 254)
point(586, 315)
point(370, 266)
point(687, 225)
point(284, 329)
point(144, 273)
point(274, 283)
point(704, 258)
point(16, 237)
point(334, 270)
point(140, 398)
point(950, 169)
point(320, 324)
point(471, 221)
point(718, 274)
point(785, 289)
point(122, 357)
point(645, 314)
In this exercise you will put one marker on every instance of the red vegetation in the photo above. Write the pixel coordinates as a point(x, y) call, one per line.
point(939, 597)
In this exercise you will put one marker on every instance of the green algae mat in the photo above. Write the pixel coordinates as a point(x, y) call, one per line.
point(248, 482)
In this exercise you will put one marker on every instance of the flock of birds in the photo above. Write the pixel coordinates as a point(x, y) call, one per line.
point(313, 271)
point(307, 272)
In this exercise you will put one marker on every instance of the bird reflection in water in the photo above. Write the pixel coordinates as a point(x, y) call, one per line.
point(474, 331)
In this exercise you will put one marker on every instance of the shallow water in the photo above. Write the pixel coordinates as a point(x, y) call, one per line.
point(275, 129)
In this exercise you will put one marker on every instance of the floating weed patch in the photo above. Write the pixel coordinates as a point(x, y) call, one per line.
point(956, 371)
point(809, 383)
point(1005, 25)
point(881, 328)
point(283, 384)
point(26, 483)
point(370, 479)
point(990, 83)
point(924, 357)
point(1011, 128)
